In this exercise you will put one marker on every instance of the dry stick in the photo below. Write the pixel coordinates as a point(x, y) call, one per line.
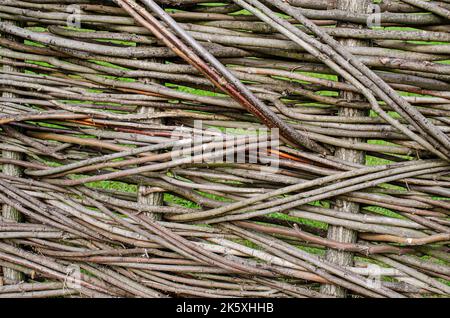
point(303, 39)
point(158, 280)
point(36, 216)
point(428, 265)
point(41, 115)
point(338, 233)
point(30, 287)
point(121, 281)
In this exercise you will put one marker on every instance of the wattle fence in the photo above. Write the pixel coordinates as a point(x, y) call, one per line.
point(241, 148)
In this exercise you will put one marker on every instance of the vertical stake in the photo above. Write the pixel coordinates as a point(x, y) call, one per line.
point(11, 276)
point(339, 233)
